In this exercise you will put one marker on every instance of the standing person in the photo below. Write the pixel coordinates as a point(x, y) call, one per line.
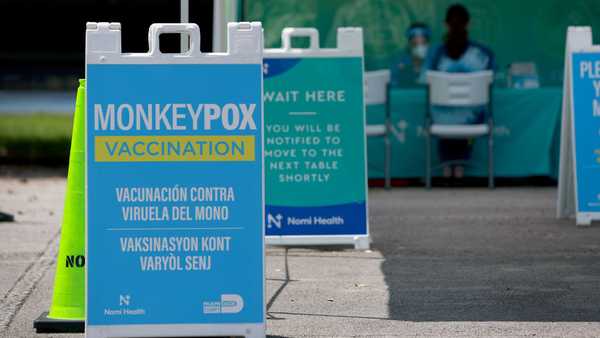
point(458, 54)
point(407, 68)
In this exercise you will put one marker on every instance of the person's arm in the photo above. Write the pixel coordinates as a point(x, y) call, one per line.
point(491, 58)
point(395, 70)
point(431, 61)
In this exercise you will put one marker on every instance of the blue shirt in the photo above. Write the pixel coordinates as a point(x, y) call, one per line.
point(475, 58)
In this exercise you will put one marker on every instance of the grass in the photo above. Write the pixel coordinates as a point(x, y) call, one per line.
point(42, 139)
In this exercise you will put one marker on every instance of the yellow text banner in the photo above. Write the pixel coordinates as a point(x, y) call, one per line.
point(209, 148)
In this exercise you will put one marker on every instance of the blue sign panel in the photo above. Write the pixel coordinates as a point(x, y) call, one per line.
point(586, 128)
point(174, 194)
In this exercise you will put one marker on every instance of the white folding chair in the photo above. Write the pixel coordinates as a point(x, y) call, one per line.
point(459, 90)
point(376, 92)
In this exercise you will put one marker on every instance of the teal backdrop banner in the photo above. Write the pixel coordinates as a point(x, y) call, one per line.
point(314, 146)
point(526, 134)
point(516, 30)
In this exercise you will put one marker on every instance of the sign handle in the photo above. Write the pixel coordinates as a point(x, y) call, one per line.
point(185, 29)
point(289, 32)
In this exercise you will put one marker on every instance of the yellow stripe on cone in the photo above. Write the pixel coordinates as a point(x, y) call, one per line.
point(68, 299)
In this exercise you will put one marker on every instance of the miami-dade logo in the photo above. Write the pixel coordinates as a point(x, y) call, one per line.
point(230, 303)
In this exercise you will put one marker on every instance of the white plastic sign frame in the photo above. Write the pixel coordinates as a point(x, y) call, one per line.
point(349, 44)
point(221, 311)
point(578, 40)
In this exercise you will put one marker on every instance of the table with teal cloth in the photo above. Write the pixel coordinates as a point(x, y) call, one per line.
point(526, 134)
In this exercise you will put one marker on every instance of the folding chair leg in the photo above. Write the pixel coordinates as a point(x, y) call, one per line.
point(428, 162)
point(388, 162)
point(491, 184)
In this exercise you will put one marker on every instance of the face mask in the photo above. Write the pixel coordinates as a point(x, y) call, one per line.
point(420, 51)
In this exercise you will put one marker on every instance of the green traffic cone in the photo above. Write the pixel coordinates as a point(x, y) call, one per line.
point(67, 311)
point(68, 300)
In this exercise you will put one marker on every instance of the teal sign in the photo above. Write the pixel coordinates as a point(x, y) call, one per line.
point(315, 173)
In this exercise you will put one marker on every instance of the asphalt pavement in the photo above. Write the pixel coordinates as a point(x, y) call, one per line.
point(458, 262)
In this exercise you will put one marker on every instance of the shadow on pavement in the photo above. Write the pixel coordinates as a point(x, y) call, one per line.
point(459, 256)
